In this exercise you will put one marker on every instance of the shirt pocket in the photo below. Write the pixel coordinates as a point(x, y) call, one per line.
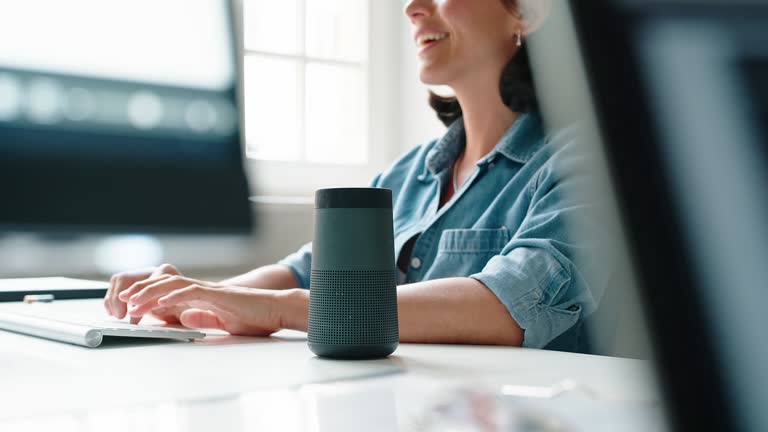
point(463, 252)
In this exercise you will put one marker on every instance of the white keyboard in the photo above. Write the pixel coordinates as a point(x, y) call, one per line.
point(85, 333)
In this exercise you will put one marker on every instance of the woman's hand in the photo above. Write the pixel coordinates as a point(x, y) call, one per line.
point(237, 310)
point(122, 282)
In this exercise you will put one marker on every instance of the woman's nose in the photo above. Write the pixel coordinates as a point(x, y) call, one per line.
point(416, 9)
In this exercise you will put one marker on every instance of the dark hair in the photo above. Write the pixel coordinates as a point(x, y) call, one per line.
point(516, 87)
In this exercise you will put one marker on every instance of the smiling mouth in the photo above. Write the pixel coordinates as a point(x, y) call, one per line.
point(427, 40)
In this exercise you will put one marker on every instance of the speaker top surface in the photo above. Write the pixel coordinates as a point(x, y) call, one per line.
point(353, 198)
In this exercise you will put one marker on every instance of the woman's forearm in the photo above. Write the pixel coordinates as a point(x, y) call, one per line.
point(275, 276)
point(454, 310)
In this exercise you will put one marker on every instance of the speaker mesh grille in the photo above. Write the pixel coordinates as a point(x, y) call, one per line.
point(352, 307)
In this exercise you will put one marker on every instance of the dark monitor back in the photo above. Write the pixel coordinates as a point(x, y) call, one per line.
point(756, 80)
point(120, 116)
point(681, 94)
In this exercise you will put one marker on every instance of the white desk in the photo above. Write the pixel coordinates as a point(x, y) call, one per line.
point(226, 383)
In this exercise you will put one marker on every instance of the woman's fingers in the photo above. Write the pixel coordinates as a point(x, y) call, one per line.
point(117, 284)
point(199, 318)
point(123, 281)
point(145, 300)
point(191, 293)
point(168, 315)
point(165, 269)
point(239, 311)
point(229, 306)
point(140, 285)
point(111, 295)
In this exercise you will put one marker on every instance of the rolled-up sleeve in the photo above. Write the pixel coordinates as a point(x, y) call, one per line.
point(300, 263)
point(536, 289)
point(538, 275)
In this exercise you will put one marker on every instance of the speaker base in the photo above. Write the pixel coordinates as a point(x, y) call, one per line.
point(353, 352)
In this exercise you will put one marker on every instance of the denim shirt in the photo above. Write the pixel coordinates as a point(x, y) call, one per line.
point(507, 226)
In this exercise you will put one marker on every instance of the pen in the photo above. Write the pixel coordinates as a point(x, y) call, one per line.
point(38, 298)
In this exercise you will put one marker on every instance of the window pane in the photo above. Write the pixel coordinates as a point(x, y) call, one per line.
point(337, 29)
point(271, 107)
point(336, 114)
point(271, 26)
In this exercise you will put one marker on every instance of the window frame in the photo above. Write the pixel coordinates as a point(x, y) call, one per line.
point(302, 178)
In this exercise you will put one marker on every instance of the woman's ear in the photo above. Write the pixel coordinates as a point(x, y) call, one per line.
point(533, 14)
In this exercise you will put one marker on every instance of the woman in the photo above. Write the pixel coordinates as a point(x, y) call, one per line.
point(480, 215)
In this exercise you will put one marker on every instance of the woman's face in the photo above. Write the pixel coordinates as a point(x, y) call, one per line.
point(457, 40)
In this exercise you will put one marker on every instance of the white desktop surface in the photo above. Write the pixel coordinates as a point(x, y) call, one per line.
point(225, 383)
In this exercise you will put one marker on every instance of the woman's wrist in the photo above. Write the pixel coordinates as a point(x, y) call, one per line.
point(274, 276)
point(292, 306)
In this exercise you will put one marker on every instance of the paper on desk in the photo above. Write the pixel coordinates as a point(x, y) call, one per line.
point(478, 409)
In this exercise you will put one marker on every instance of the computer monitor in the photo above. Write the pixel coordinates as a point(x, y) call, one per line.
point(680, 96)
point(120, 116)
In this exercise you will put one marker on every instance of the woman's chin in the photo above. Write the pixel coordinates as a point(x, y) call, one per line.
point(430, 78)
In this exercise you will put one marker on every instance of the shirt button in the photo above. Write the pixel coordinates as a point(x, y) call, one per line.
point(415, 263)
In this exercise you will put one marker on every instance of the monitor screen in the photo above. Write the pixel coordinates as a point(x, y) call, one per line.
point(120, 116)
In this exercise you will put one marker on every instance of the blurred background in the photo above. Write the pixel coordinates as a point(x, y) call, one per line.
point(337, 80)
point(330, 97)
point(670, 96)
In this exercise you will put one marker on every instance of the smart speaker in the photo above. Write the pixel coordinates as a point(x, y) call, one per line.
point(352, 297)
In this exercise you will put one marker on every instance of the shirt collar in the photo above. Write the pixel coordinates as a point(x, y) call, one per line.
point(519, 143)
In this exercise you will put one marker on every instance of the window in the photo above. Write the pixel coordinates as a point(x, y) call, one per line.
point(312, 71)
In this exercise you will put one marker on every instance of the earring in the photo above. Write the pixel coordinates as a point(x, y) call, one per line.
point(519, 39)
